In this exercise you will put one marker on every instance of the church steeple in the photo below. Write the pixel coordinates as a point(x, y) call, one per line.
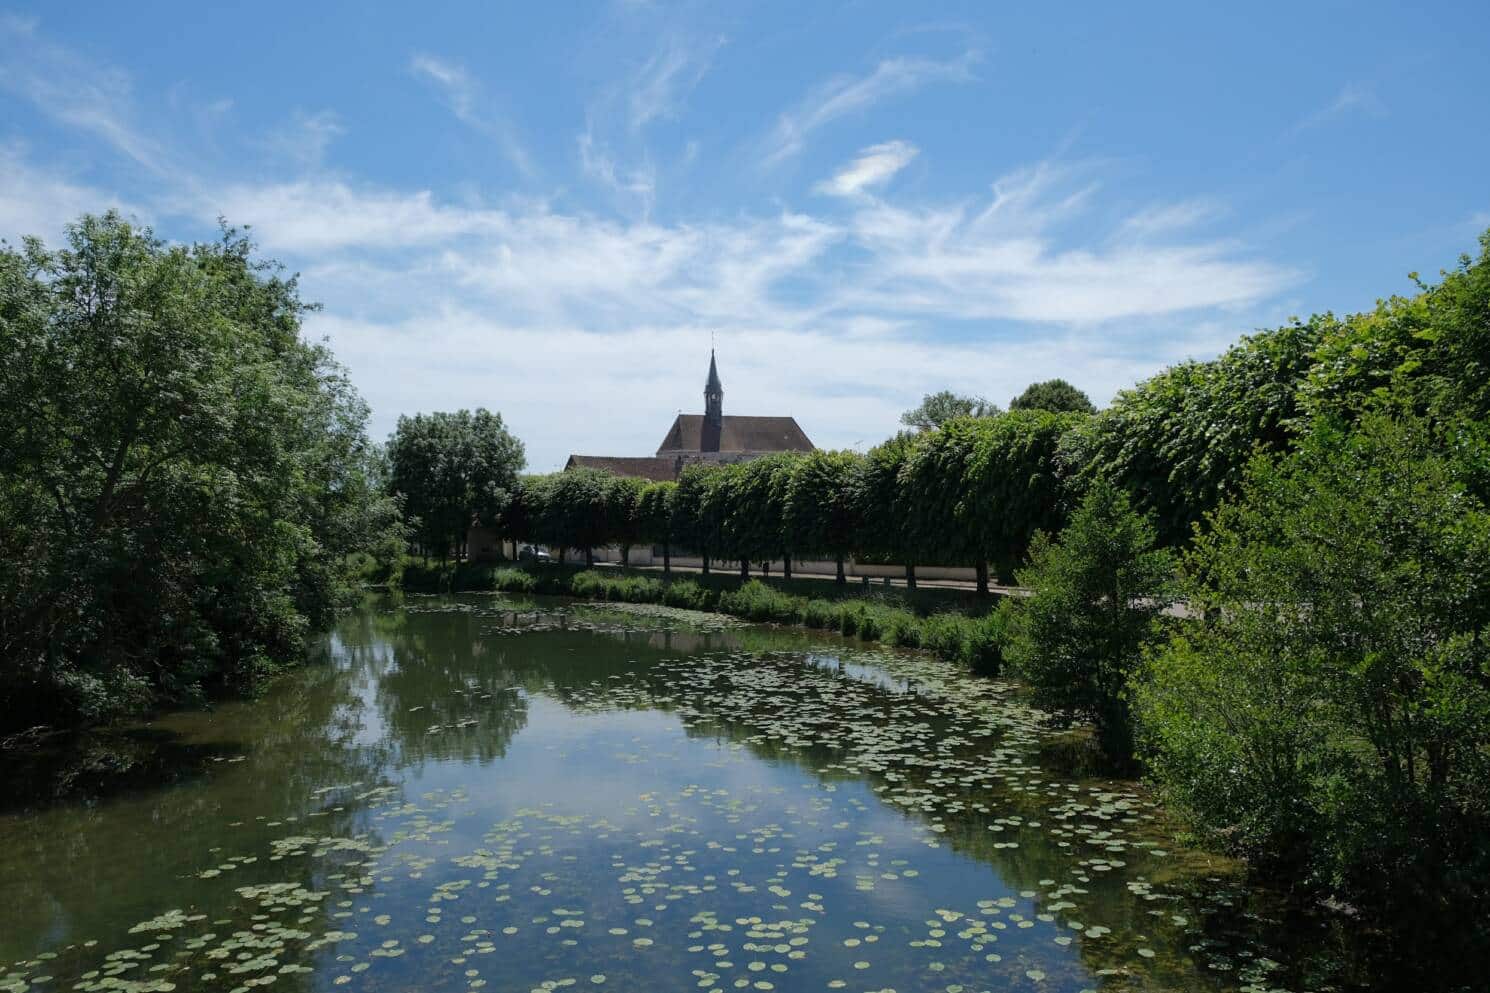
point(713, 394)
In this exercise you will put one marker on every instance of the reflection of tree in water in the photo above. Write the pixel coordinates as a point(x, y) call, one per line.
point(229, 784)
point(1203, 932)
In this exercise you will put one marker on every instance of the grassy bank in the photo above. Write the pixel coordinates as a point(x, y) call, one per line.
point(948, 623)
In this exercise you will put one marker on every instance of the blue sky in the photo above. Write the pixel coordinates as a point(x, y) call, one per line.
point(551, 209)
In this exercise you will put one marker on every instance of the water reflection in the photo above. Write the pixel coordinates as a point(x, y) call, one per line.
point(475, 792)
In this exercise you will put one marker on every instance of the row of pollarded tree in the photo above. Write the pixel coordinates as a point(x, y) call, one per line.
point(971, 492)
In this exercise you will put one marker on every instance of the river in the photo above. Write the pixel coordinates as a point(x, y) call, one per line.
point(481, 793)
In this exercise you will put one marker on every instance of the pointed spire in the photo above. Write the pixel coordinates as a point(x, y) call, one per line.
point(713, 385)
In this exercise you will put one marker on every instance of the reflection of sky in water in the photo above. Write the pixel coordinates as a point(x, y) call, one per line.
point(514, 775)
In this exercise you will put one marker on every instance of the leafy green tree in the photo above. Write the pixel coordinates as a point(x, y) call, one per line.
point(655, 511)
point(931, 495)
point(185, 483)
point(1011, 487)
point(881, 504)
point(577, 511)
point(1095, 597)
point(936, 409)
point(1433, 347)
point(756, 514)
point(696, 516)
point(622, 526)
point(451, 470)
point(1180, 441)
point(1331, 716)
point(1055, 395)
point(819, 507)
point(519, 517)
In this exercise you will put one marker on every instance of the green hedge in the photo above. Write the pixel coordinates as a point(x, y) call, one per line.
point(974, 641)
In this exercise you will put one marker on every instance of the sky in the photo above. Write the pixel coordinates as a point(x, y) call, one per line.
point(554, 210)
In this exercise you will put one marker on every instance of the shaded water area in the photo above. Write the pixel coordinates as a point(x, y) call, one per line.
point(479, 793)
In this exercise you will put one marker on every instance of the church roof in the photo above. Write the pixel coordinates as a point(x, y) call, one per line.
point(642, 467)
point(737, 434)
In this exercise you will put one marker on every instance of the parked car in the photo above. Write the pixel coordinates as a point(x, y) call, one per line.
point(532, 553)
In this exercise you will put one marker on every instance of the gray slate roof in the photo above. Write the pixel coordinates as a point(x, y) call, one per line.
point(738, 434)
point(641, 467)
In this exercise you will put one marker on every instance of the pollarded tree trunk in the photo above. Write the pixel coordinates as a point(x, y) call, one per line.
point(589, 557)
point(562, 550)
point(667, 559)
point(744, 568)
point(910, 575)
point(625, 554)
point(982, 569)
point(514, 549)
point(706, 565)
point(842, 578)
point(786, 566)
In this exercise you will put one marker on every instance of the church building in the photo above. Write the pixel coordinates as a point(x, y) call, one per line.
point(712, 436)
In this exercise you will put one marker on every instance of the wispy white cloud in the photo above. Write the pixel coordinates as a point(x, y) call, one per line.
point(304, 139)
point(874, 167)
point(74, 91)
point(1353, 98)
point(599, 163)
point(837, 317)
point(843, 95)
point(661, 84)
point(42, 201)
point(463, 95)
point(1168, 218)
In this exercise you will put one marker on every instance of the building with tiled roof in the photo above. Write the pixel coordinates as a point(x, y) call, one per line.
point(711, 436)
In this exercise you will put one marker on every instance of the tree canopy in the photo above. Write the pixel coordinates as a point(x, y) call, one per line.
point(185, 482)
point(451, 470)
point(1055, 395)
point(937, 409)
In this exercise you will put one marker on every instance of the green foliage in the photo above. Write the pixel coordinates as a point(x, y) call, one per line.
point(451, 469)
point(514, 581)
point(750, 500)
point(186, 488)
point(819, 513)
point(655, 508)
point(883, 504)
point(1432, 349)
point(1096, 594)
point(1180, 441)
point(1332, 716)
point(1054, 395)
point(937, 409)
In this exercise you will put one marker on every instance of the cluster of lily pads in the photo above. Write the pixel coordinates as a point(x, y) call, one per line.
point(861, 870)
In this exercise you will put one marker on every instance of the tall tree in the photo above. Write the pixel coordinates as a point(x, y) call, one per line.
point(820, 511)
point(936, 409)
point(183, 479)
point(1055, 395)
point(881, 504)
point(1180, 441)
point(655, 511)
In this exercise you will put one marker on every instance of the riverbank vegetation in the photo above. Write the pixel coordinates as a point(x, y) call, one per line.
point(186, 487)
point(1316, 497)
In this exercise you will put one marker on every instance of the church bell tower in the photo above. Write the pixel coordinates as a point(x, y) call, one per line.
point(713, 408)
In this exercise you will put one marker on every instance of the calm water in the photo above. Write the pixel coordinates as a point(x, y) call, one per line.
point(485, 794)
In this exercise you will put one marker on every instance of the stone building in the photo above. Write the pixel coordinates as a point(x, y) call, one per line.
point(712, 436)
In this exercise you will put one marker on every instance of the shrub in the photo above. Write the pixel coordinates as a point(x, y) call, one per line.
point(1095, 596)
point(902, 628)
point(983, 649)
point(589, 585)
point(688, 594)
point(758, 602)
point(1332, 713)
point(513, 581)
point(820, 614)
